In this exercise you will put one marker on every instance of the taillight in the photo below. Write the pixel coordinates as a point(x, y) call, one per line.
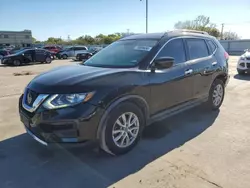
point(226, 55)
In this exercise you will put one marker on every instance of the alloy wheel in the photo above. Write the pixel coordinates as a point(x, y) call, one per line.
point(217, 95)
point(125, 129)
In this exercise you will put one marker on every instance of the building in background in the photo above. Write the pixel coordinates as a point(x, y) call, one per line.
point(16, 38)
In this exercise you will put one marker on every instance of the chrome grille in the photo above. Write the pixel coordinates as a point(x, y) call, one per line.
point(32, 100)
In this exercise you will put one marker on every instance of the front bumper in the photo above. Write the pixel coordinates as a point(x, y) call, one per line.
point(243, 65)
point(67, 125)
point(6, 61)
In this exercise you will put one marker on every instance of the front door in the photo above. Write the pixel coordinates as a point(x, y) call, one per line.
point(173, 86)
point(29, 56)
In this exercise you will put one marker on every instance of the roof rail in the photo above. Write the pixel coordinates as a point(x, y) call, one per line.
point(192, 31)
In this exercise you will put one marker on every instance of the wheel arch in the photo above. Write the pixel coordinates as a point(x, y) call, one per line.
point(223, 77)
point(135, 99)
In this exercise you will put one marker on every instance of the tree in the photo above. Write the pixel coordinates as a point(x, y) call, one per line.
point(52, 40)
point(33, 40)
point(229, 35)
point(201, 23)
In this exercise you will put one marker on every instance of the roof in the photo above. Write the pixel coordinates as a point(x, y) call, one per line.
point(144, 36)
point(170, 34)
point(185, 32)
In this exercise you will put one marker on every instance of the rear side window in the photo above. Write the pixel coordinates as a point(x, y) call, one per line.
point(175, 49)
point(197, 48)
point(80, 48)
point(211, 46)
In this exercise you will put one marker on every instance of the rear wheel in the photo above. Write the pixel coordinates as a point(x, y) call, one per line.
point(122, 129)
point(17, 62)
point(48, 60)
point(216, 95)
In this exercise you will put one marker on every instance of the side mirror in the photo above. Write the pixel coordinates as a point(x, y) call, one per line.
point(163, 63)
point(246, 50)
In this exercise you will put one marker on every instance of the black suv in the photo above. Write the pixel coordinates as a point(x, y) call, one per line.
point(126, 86)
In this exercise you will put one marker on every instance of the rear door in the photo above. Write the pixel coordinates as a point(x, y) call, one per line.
point(202, 64)
point(173, 86)
point(40, 55)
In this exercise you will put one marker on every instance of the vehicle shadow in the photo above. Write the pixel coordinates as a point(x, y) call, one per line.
point(242, 77)
point(25, 163)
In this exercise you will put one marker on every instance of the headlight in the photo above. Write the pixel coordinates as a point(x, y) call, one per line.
point(65, 100)
point(243, 58)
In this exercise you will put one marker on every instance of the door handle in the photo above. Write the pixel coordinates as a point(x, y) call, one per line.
point(214, 63)
point(189, 71)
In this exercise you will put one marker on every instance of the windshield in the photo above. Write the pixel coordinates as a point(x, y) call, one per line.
point(124, 53)
point(21, 51)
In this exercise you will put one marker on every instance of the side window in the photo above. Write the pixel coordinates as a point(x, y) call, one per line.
point(175, 49)
point(197, 48)
point(28, 52)
point(211, 46)
point(40, 51)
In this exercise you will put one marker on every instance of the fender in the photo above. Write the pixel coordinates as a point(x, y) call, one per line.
point(101, 124)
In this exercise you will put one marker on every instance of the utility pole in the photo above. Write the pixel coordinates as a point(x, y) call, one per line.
point(128, 31)
point(146, 16)
point(222, 28)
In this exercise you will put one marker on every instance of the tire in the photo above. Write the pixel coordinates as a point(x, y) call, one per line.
point(64, 56)
point(48, 60)
point(123, 134)
point(217, 92)
point(16, 62)
point(241, 72)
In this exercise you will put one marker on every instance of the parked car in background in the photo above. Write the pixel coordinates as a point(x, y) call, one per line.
point(27, 56)
point(86, 55)
point(128, 85)
point(53, 48)
point(243, 65)
point(71, 52)
point(3, 53)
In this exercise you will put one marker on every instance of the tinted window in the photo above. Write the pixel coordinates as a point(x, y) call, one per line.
point(211, 46)
point(175, 49)
point(197, 48)
point(80, 48)
point(40, 51)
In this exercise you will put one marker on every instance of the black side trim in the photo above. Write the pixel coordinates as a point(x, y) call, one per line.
point(176, 110)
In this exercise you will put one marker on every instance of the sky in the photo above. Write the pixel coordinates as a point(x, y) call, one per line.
point(60, 18)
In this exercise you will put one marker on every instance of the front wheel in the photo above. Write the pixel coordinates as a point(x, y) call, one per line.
point(64, 56)
point(17, 62)
point(216, 95)
point(241, 72)
point(122, 129)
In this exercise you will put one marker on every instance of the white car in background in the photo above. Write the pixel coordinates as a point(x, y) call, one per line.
point(243, 65)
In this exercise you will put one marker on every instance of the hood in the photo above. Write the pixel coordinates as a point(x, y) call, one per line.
point(247, 54)
point(77, 79)
point(11, 55)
